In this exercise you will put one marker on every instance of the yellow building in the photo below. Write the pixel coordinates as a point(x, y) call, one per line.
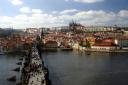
point(91, 40)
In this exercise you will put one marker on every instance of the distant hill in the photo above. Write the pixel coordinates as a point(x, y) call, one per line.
point(8, 32)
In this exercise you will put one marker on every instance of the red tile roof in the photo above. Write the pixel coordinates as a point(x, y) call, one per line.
point(103, 44)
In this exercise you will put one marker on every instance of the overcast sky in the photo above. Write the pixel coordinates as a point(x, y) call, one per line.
point(49, 13)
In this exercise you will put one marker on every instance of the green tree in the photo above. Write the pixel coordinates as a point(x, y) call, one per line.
point(88, 44)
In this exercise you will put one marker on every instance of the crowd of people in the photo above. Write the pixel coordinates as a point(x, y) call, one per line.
point(33, 71)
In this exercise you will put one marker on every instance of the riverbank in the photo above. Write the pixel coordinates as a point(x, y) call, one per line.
point(100, 50)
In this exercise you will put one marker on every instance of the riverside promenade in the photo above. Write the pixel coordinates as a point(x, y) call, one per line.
point(80, 48)
point(33, 72)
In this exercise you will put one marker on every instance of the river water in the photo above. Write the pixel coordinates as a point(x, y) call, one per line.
point(82, 68)
point(7, 64)
point(76, 68)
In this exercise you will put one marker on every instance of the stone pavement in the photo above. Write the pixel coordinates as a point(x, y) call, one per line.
point(37, 75)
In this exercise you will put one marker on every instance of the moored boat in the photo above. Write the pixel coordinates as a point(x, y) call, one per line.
point(66, 48)
point(49, 49)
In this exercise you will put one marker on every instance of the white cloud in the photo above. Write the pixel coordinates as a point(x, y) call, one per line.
point(25, 10)
point(95, 17)
point(86, 1)
point(32, 20)
point(91, 14)
point(67, 0)
point(21, 18)
point(90, 17)
point(123, 13)
point(69, 11)
point(29, 10)
point(54, 12)
point(36, 11)
point(16, 2)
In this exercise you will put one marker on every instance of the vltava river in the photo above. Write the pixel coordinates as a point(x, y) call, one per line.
point(7, 64)
point(77, 68)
